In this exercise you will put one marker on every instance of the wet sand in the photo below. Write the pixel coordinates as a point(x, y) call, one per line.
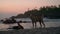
point(51, 30)
point(29, 25)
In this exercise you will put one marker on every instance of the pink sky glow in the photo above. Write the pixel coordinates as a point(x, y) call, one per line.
point(13, 7)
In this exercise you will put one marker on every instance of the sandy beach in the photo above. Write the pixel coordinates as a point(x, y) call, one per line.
point(52, 27)
point(51, 30)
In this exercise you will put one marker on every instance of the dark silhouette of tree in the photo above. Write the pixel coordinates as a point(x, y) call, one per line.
point(33, 11)
point(13, 17)
point(21, 16)
point(48, 11)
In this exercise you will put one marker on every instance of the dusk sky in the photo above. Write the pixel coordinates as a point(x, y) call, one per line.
point(13, 7)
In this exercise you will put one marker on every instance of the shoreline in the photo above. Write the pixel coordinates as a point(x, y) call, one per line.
point(29, 25)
